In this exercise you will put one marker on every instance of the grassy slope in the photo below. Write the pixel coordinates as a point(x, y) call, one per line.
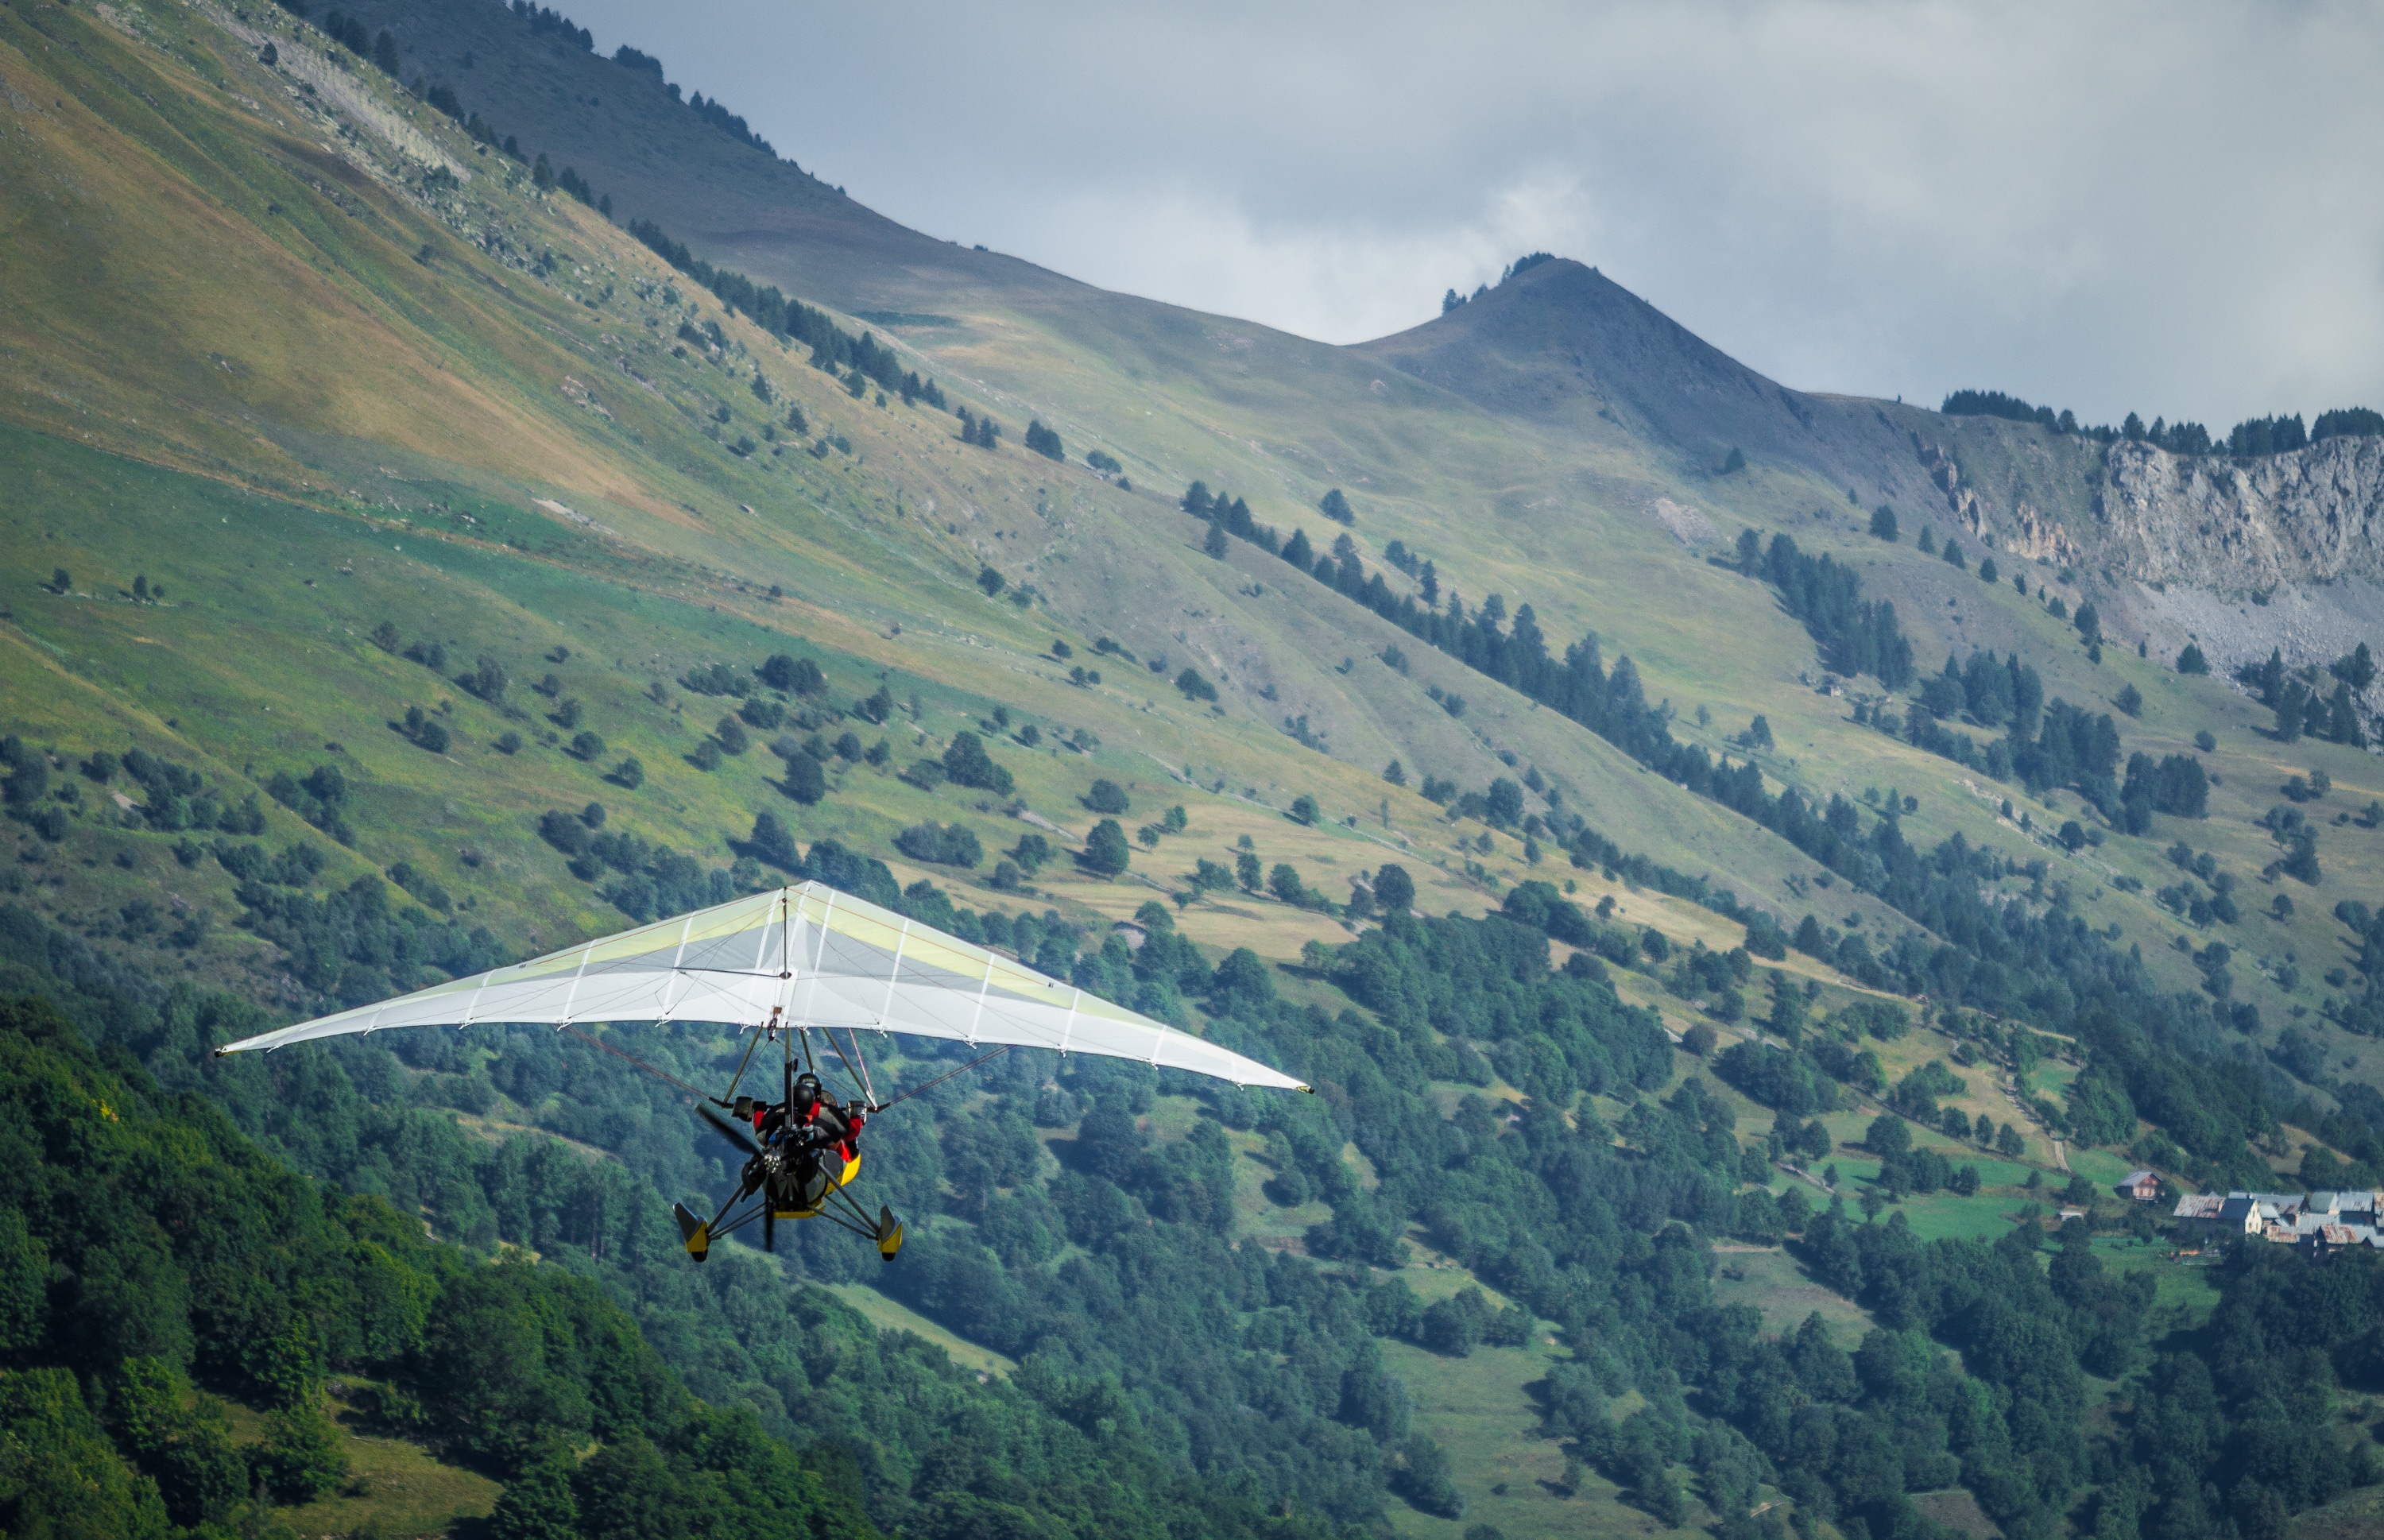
point(1558, 517)
point(397, 1486)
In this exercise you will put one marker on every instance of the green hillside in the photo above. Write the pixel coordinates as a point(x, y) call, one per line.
point(409, 568)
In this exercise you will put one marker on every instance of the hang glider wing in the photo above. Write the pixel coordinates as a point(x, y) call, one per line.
point(807, 956)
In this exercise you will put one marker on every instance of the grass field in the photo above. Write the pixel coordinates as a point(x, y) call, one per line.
point(1480, 1411)
point(888, 1316)
point(1769, 1280)
point(394, 1489)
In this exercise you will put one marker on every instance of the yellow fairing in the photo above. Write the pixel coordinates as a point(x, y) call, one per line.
point(852, 1170)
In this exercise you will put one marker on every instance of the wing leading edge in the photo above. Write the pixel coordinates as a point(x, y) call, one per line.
point(805, 955)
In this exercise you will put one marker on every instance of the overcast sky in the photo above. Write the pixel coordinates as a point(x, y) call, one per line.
point(2169, 209)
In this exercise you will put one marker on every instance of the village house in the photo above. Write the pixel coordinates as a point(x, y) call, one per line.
point(2140, 1186)
point(2316, 1221)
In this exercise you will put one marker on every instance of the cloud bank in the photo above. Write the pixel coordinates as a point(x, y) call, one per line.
point(2159, 208)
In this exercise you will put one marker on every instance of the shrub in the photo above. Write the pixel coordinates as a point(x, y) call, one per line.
point(487, 680)
point(1422, 1477)
point(942, 844)
point(795, 676)
point(1456, 1325)
point(1195, 686)
point(806, 782)
point(1106, 851)
point(302, 1457)
point(1106, 796)
point(588, 746)
point(967, 764)
point(629, 774)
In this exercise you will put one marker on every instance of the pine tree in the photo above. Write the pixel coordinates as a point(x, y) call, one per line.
point(1215, 544)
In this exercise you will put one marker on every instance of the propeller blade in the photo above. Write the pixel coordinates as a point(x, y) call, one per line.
point(728, 1131)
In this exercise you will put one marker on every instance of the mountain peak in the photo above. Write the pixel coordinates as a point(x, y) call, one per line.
point(1560, 339)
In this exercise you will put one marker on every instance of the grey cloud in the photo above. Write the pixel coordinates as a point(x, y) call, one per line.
point(2164, 209)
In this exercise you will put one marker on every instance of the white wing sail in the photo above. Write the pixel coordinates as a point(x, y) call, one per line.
point(802, 956)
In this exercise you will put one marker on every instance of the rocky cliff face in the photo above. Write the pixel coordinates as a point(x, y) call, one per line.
point(2235, 528)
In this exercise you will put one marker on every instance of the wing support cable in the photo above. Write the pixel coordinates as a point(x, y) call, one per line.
point(642, 1066)
point(941, 1078)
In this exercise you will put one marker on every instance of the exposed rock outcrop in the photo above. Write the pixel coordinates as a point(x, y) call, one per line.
point(2025, 531)
point(2245, 526)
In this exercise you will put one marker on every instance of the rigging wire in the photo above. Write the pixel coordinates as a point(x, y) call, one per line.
point(876, 1107)
point(640, 1064)
point(941, 1078)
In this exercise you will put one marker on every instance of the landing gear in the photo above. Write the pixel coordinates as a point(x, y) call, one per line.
point(693, 1232)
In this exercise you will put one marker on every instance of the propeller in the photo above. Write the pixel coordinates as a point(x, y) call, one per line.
point(728, 1131)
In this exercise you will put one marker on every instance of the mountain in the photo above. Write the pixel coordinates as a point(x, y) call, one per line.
point(412, 566)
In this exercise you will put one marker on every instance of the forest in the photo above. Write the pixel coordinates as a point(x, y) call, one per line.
point(1151, 1345)
point(158, 1260)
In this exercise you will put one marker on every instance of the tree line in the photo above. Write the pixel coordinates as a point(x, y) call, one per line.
point(2250, 439)
point(832, 349)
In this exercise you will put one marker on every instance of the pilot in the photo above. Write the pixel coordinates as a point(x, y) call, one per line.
point(809, 1121)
